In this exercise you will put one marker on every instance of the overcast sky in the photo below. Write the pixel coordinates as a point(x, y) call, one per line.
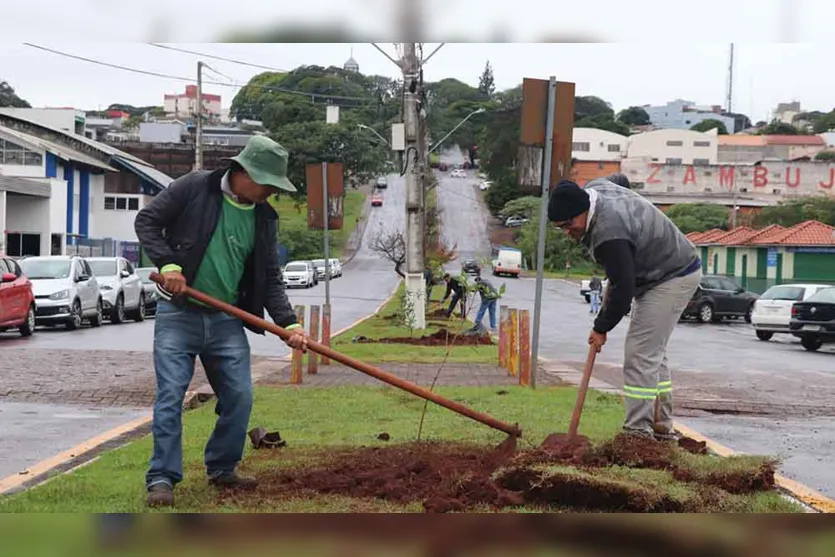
point(623, 74)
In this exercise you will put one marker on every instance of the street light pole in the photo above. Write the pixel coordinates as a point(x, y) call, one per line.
point(198, 133)
point(372, 130)
point(461, 123)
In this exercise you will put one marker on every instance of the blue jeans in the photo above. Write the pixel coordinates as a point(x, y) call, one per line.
point(595, 301)
point(180, 335)
point(483, 308)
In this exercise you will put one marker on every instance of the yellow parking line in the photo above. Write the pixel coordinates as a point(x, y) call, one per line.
point(15, 480)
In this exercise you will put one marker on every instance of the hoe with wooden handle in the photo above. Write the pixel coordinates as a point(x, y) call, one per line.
point(513, 430)
point(581, 394)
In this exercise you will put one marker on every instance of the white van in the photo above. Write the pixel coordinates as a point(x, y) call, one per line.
point(508, 261)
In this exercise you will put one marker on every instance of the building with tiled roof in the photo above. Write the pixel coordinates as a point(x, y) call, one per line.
point(748, 149)
point(759, 259)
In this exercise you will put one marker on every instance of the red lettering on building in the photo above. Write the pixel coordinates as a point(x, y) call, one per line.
point(831, 179)
point(690, 175)
point(656, 168)
point(760, 177)
point(727, 175)
point(789, 182)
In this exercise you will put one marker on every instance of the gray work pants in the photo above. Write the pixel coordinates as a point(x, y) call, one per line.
point(646, 374)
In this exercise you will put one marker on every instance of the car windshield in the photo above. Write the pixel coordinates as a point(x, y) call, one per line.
point(295, 267)
point(319, 262)
point(103, 268)
point(827, 295)
point(145, 275)
point(793, 293)
point(45, 268)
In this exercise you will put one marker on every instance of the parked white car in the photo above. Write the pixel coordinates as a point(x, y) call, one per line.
point(122, 293)
point(66, 291)
point(458, 173)
point(773, 310)
point(299, 273)
point(334, 267)
point(515, 222)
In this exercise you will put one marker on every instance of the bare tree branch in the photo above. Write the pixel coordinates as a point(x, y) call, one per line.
point(391, 246)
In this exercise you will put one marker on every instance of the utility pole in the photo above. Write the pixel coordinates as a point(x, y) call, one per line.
point(198, 134)
point(730, 100)
point(415, 288)
point(325, 219)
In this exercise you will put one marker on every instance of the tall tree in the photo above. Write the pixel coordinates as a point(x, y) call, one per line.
point(8, 97)
point(709, 124)
point(634, 116)
point(486, 83)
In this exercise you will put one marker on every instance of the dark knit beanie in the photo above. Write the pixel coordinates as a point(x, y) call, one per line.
point(567, 201)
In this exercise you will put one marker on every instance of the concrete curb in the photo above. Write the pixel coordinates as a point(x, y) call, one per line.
point(807, 496)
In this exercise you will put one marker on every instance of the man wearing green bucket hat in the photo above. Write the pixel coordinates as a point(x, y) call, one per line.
point(212, 230)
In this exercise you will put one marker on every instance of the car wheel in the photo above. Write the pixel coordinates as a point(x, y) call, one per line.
point(74, 321)
point(98, 318)
point(811, 343)
point(118, 312)
point(705, 313)
point(28, 326)
point(764, 335)
point(139, 313)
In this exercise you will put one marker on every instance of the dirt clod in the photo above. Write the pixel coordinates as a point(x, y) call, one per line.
point(501, 393)
point(384, 436)
point(559, 446)
point(442, 337)
point(692, 446)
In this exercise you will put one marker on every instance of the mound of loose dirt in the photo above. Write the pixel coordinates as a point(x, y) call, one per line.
point(442, 337)
point(448, 477)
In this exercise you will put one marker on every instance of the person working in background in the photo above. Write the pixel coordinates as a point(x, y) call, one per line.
point(646, 257)
point(489, 297)
point(213, 231)
point(455, 288)
point(595, 291)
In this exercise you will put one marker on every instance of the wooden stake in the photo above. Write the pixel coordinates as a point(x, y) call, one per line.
point(296, 362)
point(312, 357)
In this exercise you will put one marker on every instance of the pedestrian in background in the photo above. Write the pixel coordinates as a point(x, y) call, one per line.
point(456, 288)
point(646, 257)
point(595, 292)
point(489, 298)
point(213, 231)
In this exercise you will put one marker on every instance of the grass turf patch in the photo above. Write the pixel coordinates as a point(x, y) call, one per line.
point(388, 323)
point(325, 426)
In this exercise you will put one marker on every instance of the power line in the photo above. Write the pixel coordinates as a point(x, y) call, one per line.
point(204, 55)
point(311, 96)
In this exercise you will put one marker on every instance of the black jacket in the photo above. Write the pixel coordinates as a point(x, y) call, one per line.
point(178, 224)
point(454, 285)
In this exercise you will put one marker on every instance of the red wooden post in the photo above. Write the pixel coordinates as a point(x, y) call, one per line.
point(524, 347)
point(312, 358)
point(326, 331)
point(296, 364)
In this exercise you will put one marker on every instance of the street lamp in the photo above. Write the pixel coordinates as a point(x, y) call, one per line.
point(461, 123)
point(372, 130)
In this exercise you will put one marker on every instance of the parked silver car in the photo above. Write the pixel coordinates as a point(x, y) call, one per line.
point(149, 287)
point(121, 289)
point(66, 290)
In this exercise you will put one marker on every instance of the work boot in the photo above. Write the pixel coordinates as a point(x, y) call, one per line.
point(160, 495)
point(666, 436)
point(234, 481)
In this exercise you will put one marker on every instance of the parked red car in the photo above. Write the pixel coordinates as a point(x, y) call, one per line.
point(17, 302)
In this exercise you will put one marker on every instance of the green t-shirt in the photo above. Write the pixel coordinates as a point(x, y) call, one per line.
point(233, 240)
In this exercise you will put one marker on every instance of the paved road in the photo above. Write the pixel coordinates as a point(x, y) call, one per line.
point(107, 373)
point(719, 368)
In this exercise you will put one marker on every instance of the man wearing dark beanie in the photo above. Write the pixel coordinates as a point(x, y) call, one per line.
point(646, 257)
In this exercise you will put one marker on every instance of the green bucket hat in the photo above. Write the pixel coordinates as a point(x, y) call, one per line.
point(266, 162)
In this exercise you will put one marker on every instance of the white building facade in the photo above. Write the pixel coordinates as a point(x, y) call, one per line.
point(673, 146)
point(591, 144)
point(682, 115)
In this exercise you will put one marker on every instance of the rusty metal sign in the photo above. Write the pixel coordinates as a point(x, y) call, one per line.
point(532, 134)
point(315, 196)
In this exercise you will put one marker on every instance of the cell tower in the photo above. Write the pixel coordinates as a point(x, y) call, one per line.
point(730, 99)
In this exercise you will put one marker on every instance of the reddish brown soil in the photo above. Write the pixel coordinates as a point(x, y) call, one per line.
point(448, 477)
point(384, 436)
point(443, 337)
point(692, 446)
